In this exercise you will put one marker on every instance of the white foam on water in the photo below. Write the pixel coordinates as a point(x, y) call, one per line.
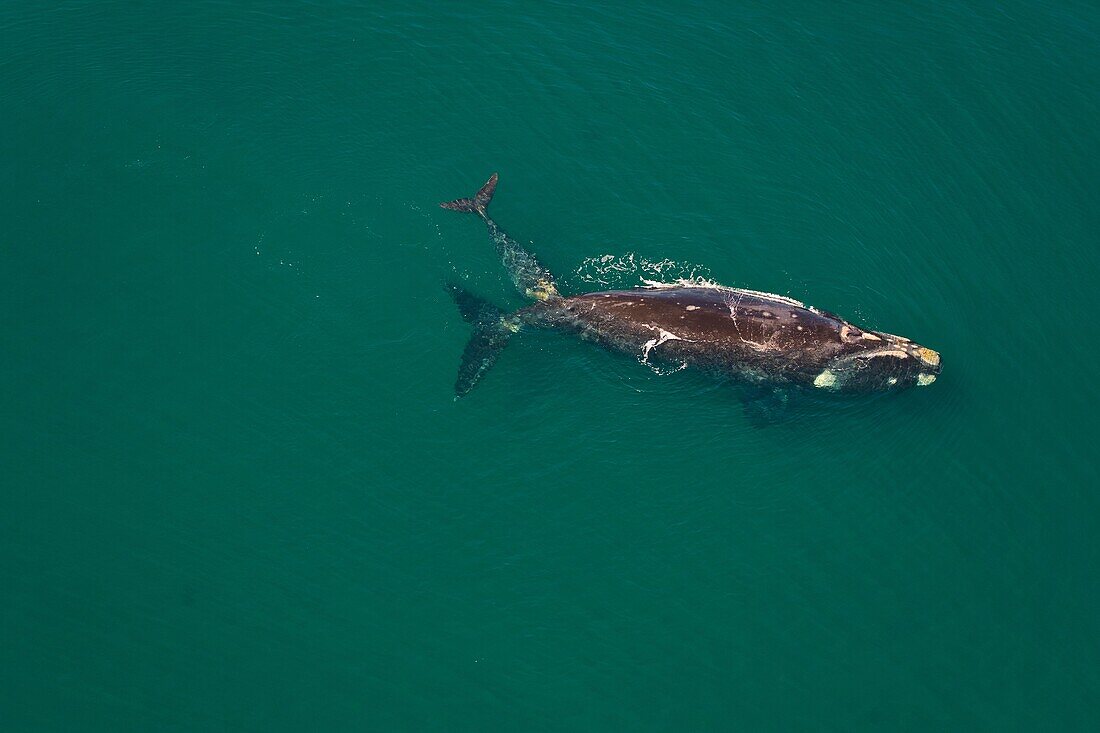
point(619, 271)
point(623, 271)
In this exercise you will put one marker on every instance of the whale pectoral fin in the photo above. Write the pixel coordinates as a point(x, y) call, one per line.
point(492, 329)
point(765, 406)
point(473, 308)
point(481, 352)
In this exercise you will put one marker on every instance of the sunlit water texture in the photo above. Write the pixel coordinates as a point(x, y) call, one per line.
point(238, 492)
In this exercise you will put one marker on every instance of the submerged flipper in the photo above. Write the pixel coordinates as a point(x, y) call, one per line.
point(765, 406)
point(492, 329)
point(530, 277)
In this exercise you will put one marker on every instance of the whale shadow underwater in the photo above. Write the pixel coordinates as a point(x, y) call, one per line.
point(774, 346)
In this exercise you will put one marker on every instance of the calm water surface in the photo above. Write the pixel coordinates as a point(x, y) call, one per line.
point(237, 493)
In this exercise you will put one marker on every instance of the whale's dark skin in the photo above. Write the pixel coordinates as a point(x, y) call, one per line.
point(752, 337)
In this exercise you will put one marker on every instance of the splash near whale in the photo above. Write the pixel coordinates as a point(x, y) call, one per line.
point(752, 337)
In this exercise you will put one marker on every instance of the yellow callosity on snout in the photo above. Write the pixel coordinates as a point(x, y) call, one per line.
point(928, 356)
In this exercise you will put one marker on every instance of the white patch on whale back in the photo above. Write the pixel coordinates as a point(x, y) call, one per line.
point(650, 345)
point(693, 308)
point(825, 380)
point(924, 380)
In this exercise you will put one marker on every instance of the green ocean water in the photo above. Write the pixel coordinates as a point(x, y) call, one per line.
point(238, 494)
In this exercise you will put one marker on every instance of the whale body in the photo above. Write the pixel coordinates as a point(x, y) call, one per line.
point(749, 336)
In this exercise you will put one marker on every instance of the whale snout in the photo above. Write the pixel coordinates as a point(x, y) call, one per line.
point(881, 362)
point(929, 357)
point(919, 366)
point(930, 365)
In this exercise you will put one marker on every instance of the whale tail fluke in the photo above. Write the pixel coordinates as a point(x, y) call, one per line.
point(492, 329)
point(479, 203)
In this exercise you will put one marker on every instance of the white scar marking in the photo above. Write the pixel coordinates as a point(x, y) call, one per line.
point(650, 345)
point(733, 303)
point(693, 308)
point(825, 380)
point(925, 379)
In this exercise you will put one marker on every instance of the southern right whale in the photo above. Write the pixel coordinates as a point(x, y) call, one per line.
point(753, 337)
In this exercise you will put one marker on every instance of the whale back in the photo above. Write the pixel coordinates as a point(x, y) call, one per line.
point(715, 314)
point(744, 333)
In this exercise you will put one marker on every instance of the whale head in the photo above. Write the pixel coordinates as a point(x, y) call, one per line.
point(873, 361)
